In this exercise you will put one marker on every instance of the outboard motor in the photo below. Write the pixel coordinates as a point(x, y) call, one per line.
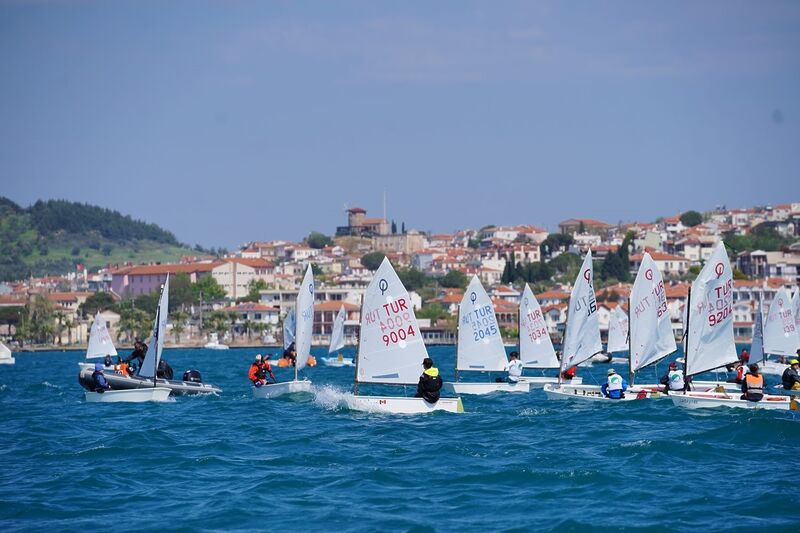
point(192, 376)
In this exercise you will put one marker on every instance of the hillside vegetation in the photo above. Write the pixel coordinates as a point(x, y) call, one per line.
point(53, 236)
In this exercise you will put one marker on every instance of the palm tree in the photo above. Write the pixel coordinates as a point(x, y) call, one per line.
point(179, 319)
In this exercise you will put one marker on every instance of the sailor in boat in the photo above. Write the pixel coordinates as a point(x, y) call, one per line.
point(107, 362)
point(122, 367)
point(791, 376)
point(673, 379)
point(259, 370)
point(615, 386)
point(514, 367)
point(741, 370)
point(164, 371)
point(99, 380)
point(138, 353)
point(753, 385)
point(430, 382)
point(569, 373)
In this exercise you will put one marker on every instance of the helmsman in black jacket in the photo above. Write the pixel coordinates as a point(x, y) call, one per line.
point(430, 382)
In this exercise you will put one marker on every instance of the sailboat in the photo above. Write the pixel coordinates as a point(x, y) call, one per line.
point(5, 355)
point(480, 346)
point(780, 333)
point(582, 338)
point(146, 375)
point(337, 342)
point(390, 348)
point(617, 333)
point(302, 339)
point(709, 337)
point(289, 327)
point(535, 346)
point(103, 345)
point(100, 343)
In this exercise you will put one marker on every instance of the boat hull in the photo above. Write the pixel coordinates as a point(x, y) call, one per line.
point(403, 405)
point(541, 381)
point(461, 387)
point(120, 382)
point(7, 361)
point(153, 394)
point(701, 400)
point(273, 390)
point(335, 362)
point(593, 393)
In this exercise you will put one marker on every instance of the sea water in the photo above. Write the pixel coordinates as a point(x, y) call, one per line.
point(307, 463)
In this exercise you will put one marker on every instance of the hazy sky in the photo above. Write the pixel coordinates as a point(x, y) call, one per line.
point(227, 121)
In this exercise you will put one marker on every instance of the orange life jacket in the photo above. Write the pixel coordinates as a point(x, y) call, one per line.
point(122, 368)
point(754, 383)
point(252, 373)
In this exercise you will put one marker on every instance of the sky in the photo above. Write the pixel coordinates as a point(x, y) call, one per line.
point(231, 121)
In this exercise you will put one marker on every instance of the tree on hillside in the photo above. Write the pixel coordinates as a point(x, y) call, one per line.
point(412, 278)
point(372, 260)
point(455, 279)
point(180, 291)
point(566, 264)
point(555, 242)
point(691, 218)
point(433, 311)
point(317, 240)
point(254, 288)
point(394, 228)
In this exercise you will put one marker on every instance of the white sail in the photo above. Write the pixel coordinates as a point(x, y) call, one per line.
point(796, 310)
point(100, 343)
point(710, 344)
point(156, 346)
point(337, 335)
point(757, 345)
point(480, 346)
point(780, 334)
point(582, 338)
point(5, 352)
point(535, 347)
point(650, 327)
point(618, 331)
point(390, 348)
point(289, 326)
point(305, 319)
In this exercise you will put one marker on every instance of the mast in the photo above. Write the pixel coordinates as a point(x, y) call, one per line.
point(686, 338)
point(630, 354)
point(358, 353)
point(458, 327)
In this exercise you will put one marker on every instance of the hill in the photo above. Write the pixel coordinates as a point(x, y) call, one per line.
point(51, 237)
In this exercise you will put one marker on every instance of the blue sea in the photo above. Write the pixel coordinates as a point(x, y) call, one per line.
point(514, 462)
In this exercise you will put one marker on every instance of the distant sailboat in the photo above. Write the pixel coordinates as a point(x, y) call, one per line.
point(617, 331)
point(480, 346)
point(5, 355)
point(337, 342)
point(100, 343)
point(780, 333)
point(391, 349)
point(535, 346)
point(302, 339)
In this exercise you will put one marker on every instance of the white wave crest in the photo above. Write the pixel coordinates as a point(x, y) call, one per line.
point(332, 398)
point(641, 443)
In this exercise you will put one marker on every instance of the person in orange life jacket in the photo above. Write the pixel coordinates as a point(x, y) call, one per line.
point(121, 367)
point(266, 368)
point(256, 372)
point(615, 386)
point(569, 373)
point(753, 385)
point(99, 380)
point(430, 382)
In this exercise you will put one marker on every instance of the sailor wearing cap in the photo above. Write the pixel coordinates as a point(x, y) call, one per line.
point(673, 379)
point(615, 386)
point(791, 376)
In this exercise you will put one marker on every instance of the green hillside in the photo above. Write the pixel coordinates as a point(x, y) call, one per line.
point(53, 236)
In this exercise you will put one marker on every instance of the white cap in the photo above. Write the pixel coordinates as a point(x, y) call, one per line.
point(258, 357)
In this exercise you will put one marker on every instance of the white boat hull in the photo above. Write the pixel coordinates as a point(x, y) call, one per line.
point(7, 361)
point(593, 393)
point(153, 394)
point(697, 386)
point(541, 381)
point(461, 387)
point(215, 347)
point(403, 405)
point(273, 390)
point(700, 400)
point(336, 362)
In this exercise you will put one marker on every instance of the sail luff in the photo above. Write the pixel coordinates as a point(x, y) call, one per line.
point(582, 338)
point(305, 319)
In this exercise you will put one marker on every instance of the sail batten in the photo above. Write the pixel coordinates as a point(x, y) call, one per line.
point(480, 346)
point(535, 346)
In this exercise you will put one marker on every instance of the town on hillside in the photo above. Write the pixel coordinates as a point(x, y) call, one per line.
point(242, 298)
